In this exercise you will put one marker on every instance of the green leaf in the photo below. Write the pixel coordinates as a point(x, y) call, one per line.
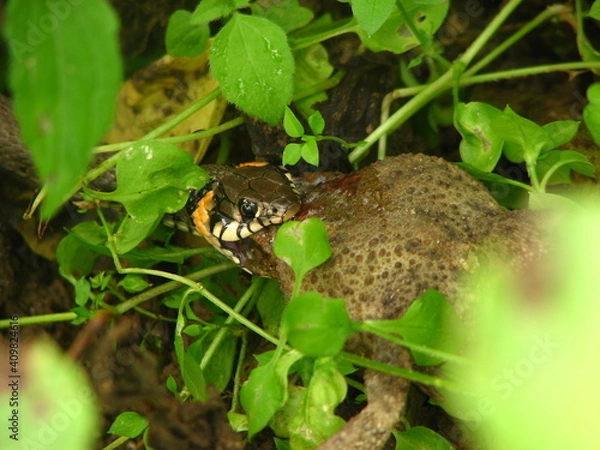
point(315, 325)
point(316, 122)
point(128, 424)
point(153, 178)
point(270, 306)
point(421, 438)
point(82, 291)
point(544, 200)
point(184, 38)
point(92, 234)
point(561, 132)
point(524, 139)
point(586, 48)
point(251, 59)
point(44, 405)
point(220, 367)
point(288, 14)
point(75, 258)
point(239, 422)
point(315, 420)
point(395, 36)
point(312, 69)
point(134, 283)
point(291, 124)
point(266, 391)
point(302, 245)
point(594, 11)
point(65, 72)
point(372, 15)
point(310, 151)
point(484, 176)
point(209, 10)
point(430, 321)
point(560, 163)
point(292, 154)
point(591, 112)
point(131, 232)
point(193, 378)
point(480, 147)
point(172, 385)
point(151, 254)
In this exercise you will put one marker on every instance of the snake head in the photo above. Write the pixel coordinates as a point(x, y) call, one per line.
point(240, 201)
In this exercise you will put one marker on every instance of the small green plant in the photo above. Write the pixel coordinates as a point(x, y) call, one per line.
point(127, 425)
point(488, 133)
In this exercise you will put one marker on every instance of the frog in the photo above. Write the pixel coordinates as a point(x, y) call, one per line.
point(397, 228)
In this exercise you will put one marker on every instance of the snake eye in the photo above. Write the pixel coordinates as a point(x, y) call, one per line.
point(248, 208)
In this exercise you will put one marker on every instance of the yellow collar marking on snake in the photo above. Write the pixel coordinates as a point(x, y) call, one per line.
point(242, 200)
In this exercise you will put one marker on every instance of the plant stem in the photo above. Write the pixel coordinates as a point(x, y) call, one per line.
point(324, 85)
point(488, 32)
point(176, 139)
point(434, 89)
point(399, 371)
point(237, 376)
point(411, 26)
point(41, 319)
point(256, 285)
point(336, 29)
point(187, 112)
point(496, 76)
point(116, 443)
point(552, 10)
point(366, 326)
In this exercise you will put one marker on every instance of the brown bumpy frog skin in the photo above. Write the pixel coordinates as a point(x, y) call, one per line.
point(397, 228)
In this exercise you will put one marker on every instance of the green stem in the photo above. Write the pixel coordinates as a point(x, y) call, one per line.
point(402, 115)
point(550, 172)
point(552, 10)
point(108, 148)
point(488, 32)
point(411, 26)
point(528, 71)
point(183, 115)
point(170, 286)
point(535, 182)
point(237, 377)
point(208, 295)
point(496, 76)
point(41, 319)
point(366, 326)
point(116, 443)
point(324, 85)
point(417, 377)
point(434, 89)
point(256, 285)
point(336, 29)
